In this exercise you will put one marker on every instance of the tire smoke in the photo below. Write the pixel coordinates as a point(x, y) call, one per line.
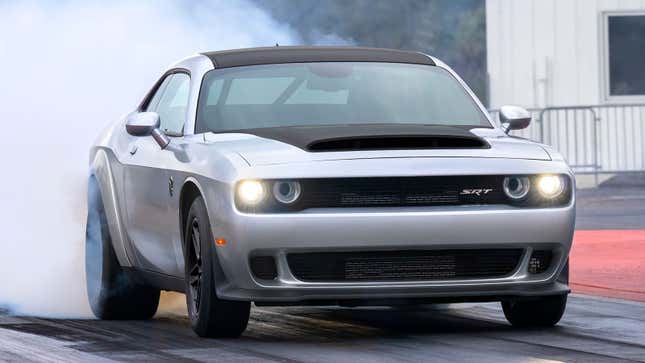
point(70, 68)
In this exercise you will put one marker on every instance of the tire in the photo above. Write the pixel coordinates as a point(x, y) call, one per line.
point(112, 294)
point(542, 312)
point(209, 316)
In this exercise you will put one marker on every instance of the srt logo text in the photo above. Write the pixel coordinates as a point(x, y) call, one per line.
point(475, 191)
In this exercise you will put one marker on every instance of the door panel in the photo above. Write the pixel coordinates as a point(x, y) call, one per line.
point(148, 214)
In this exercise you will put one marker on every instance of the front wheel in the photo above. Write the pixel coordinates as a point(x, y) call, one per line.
point(209, 315)
point(542, 312)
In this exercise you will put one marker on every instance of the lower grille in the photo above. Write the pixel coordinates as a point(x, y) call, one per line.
point(408, 265)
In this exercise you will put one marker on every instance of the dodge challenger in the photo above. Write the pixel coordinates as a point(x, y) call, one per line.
point(323, 176)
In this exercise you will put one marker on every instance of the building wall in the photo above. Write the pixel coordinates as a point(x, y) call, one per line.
point(548, 52)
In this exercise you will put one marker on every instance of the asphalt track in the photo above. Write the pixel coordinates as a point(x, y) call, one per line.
point(608, 260)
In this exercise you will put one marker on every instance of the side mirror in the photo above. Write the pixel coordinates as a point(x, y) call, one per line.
point(147, 124)
point(514, 118)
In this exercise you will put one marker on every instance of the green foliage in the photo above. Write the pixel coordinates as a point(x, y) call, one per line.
point(452, 30)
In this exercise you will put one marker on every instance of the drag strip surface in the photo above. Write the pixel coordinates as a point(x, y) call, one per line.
point(593, 329)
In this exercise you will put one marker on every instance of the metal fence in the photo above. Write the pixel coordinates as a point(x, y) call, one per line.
point(594, 139)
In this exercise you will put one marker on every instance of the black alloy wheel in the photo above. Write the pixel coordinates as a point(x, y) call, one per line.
point(209, 315)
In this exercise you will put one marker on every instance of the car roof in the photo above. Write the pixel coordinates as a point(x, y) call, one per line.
point(280, 54)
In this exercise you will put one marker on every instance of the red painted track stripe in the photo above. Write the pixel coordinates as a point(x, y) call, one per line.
point(609, 263)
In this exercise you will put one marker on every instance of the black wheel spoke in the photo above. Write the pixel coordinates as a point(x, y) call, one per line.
point(196, 239)
point(195, 276)
point(194, 266)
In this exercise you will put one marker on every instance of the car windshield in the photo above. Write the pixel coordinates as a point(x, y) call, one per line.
point(333, 93)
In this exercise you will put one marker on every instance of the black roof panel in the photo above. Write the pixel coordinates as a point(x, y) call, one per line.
point(273, 55)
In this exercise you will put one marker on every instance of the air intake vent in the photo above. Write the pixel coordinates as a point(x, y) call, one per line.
point(408, 265)
point(398, 143)
point(540, 261)
point(263, 267)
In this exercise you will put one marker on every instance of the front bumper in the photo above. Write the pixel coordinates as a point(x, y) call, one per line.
point(460, 227)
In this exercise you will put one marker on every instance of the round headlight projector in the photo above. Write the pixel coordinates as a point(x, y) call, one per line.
point(517, 187)
point(286, 192)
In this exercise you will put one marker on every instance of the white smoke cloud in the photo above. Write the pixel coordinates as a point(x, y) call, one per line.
point(68, 70)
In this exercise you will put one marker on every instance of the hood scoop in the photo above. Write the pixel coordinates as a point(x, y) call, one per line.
point(397, 143)
point(334, 138)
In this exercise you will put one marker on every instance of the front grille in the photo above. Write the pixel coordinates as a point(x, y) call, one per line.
point(399, 192)
point(408, 265)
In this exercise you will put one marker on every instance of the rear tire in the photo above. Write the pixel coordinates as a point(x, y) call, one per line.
point(209, 315)
point(112, 294)
point(542, 312)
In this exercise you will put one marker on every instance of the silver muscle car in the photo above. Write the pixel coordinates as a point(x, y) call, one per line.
point(323, 175)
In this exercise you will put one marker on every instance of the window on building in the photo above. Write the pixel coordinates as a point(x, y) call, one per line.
point(625, 36)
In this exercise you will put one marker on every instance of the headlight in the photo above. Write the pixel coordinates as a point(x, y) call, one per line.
point(250, 192)
point(550, 186)
point(286, 192)
point(517, 187)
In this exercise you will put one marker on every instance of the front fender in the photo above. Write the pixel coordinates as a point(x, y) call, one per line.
point(211, 191)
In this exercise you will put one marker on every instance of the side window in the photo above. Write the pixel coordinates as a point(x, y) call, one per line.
point(152, 105)
point(171, 103)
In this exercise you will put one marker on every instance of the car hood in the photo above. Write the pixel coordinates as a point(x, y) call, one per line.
point(266, 148)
